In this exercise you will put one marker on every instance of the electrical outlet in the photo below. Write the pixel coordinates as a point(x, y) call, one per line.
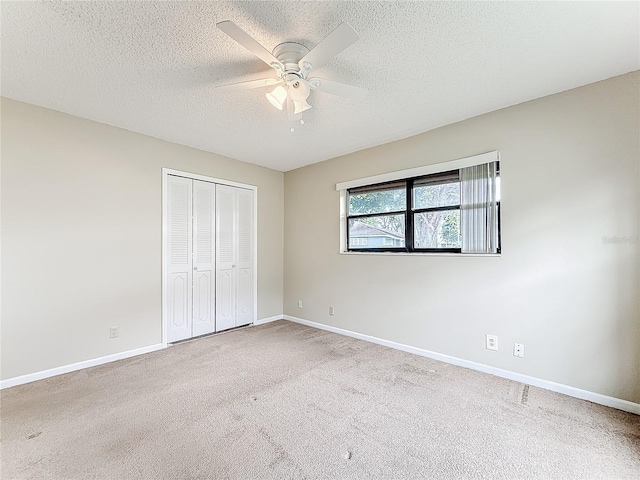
point(330, 310)
point(518, 350)
point(299, 303)
point(492, 342)
point(113, 332)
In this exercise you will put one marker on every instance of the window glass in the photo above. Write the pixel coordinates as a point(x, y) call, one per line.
point(387, 199)
point(436, 195)
point(376, 231)
point(438, 229)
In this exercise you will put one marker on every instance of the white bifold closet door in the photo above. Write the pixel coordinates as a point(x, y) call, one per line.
point(191, 246)
point(204, 273)
point(210, 275)
point(180, 261)
point(234, 257)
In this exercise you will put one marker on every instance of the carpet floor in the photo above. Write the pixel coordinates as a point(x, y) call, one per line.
point(284, 400)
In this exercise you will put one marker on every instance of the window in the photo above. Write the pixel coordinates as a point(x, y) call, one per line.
point(436, 212)
point(354, 242)
point(456, 211)
point(378, 212)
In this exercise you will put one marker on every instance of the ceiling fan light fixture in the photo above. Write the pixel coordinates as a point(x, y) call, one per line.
point(299, 90)
point(277, 97)
point(299, 107)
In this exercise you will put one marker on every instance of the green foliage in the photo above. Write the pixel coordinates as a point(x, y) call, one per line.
point(380, 202)
point(439, 195)
point(437, 229)
point(377, 202)
point(451, 229)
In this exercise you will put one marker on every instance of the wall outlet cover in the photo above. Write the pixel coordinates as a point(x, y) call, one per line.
point(492, 342)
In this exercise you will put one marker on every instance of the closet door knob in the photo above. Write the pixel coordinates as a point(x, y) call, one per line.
point(195, 268)
point(233, 266)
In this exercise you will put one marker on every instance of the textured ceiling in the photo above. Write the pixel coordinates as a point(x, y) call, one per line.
point(151, 67)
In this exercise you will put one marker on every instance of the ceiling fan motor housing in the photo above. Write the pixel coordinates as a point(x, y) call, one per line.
point(289, 54)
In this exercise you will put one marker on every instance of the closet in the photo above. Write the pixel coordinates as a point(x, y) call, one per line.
point(209, 264)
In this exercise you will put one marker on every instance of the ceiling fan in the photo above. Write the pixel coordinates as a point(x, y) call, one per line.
point(292, 64)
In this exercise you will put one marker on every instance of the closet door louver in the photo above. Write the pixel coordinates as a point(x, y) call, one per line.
point(203, 257)
point(179, 275)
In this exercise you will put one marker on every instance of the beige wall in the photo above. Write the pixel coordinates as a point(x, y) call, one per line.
point(81, 247)
point(570, 176)
point(81, 236)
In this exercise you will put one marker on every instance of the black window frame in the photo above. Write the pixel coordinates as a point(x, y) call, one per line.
point(374, 187)
point(409, 212)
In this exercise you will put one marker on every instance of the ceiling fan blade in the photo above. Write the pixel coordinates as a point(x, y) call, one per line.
point(343, 36)
point(263, 82)
point(336, 88)
point(248, 42)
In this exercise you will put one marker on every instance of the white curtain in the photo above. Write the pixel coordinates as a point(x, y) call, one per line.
point(479, 208)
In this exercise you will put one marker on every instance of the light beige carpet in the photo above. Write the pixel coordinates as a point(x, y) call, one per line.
point(287, 401)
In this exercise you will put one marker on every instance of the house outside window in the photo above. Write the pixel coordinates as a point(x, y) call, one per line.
point(363, 235)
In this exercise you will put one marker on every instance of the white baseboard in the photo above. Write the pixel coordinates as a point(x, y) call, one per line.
point(52, 372)
point(598, 398)
point(32, 377)
point(268, 319)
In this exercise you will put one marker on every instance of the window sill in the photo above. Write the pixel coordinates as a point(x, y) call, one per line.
point(425, 254)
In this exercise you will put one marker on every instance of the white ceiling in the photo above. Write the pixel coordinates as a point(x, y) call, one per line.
point(151, 67)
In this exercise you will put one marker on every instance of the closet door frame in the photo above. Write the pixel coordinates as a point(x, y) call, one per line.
point(165, 250)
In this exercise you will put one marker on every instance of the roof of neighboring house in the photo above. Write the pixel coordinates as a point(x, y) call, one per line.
point(359, 229)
